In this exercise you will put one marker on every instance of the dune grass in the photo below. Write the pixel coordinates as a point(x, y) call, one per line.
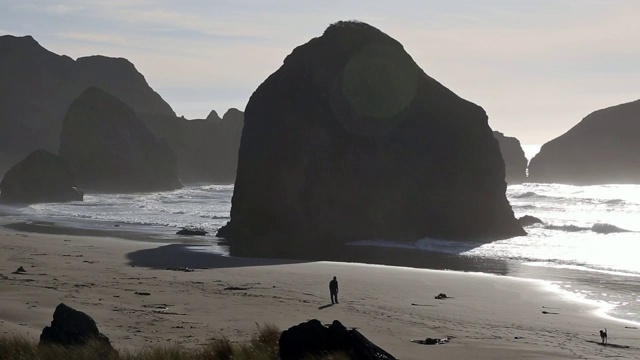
point(17, 348)
point(262, 346)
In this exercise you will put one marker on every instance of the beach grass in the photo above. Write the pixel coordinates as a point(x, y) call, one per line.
point(262, 346)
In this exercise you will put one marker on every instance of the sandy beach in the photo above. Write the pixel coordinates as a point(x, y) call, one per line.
point(138, 298)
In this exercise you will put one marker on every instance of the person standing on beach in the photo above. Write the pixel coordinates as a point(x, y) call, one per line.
point(333, 289)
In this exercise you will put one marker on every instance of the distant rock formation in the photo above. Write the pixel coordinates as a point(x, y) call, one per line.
point(213, 116)
point(602, 149)
point(38, 86)
point(351, 140)
point(41, 177)
point(206, 150)
point(118, 76)
point(515, 162)
point(72, 327)
point(108, 148)
point(311, 339)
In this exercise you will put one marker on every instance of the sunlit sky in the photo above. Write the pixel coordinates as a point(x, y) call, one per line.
point(537, 67)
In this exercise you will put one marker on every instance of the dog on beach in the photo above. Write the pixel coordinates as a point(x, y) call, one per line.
point(603, 336)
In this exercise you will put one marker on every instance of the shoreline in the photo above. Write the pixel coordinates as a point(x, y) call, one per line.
point(120, 231)
point(196, 252)
point(487, 316)
point(347, 254)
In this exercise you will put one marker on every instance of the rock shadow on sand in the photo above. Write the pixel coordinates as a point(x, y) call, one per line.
point(196, 257)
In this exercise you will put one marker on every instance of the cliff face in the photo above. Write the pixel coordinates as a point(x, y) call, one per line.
point(206, 150)
point(38, 86)
point(351, 140)
point(108, 148)
point(515, 162)
point(118, 76)
point(602, 149)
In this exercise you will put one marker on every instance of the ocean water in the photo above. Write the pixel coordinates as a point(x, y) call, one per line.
point(587, 247)
point(160, 214)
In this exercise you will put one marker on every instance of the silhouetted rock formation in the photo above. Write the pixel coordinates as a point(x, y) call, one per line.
point(515, 162)
point(191, 231)
point(108, 148)
point(351, 140)
point(213, 116)
point(119, 77)
point(71, 327)
point(207, 150)
point(41, 177)
point(529, 220)
point(311, 338)
point(38, 86)
point(602, 149)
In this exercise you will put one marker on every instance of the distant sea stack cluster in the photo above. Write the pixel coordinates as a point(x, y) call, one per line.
point(351, 140)
point(206, 149)
point(38, 86)
point(112, 130)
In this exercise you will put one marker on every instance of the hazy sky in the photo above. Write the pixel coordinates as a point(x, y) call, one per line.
point(537, 67)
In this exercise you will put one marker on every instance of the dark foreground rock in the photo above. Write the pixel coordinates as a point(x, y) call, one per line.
point(41, 177)
point(71, 327)
point(515, 162)
point(311, 338)
point(351, 140)
point(108, 148)
point(602, 149)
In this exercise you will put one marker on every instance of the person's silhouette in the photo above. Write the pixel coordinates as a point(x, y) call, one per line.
point(333, 290)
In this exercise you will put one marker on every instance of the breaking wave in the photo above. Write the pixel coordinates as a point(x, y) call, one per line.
point(596, 228)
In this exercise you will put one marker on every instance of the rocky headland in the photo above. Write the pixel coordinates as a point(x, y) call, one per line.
point(351, 140)
point(602, 149)
point(38, 86)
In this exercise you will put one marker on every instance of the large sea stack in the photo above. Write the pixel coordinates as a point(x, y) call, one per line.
point(515, 162)
point(351, 140)
point(602, 149)
point(108, 148)
point(41, 177)
point(38, 86)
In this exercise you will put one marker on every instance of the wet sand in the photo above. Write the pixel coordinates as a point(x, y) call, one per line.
point(485, 316)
